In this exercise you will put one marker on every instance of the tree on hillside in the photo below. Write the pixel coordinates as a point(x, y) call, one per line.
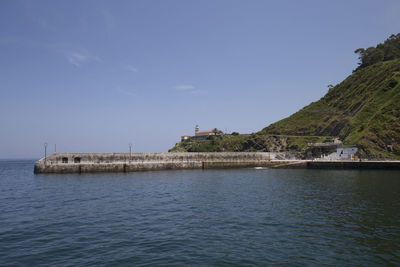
point(217, 131)
point(389, 50)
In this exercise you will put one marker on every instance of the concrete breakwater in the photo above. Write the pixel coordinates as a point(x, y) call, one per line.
point(126, 162)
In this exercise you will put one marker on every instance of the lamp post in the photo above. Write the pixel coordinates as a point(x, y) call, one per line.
point(130, 151)
point(45, 153)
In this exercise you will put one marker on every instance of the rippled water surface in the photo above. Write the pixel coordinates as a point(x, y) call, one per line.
point(194, 217)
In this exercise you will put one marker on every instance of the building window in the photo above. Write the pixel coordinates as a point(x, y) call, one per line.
point(64, 160)
point(77, 160)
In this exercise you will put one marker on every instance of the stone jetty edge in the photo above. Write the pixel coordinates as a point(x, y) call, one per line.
point(132, 162)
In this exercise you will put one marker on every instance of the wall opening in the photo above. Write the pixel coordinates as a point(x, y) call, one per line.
point(77, 160)
point(64, 160)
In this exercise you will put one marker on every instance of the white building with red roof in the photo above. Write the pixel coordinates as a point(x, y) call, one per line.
point(197, 132)
point(200, 135)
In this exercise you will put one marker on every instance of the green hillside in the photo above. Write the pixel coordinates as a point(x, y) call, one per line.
point(363, 110)
point(248, 143)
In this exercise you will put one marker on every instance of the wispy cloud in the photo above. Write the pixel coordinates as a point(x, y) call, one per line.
point(75, 55)
point(131, 68)
point(184, 87)
point(191, 89)
point(78, 58)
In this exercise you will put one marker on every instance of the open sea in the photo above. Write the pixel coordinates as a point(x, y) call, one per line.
point(241, 217)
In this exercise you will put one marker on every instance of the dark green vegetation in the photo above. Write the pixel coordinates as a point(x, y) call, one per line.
point(363, 110)
point(389, 50)
point(248, 143)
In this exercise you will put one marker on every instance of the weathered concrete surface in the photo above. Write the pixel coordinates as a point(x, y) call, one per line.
point(125, 162)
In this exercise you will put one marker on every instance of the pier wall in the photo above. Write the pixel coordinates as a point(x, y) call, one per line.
point(126, 162)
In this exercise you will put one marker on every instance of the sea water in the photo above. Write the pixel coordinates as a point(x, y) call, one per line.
point(199, 218)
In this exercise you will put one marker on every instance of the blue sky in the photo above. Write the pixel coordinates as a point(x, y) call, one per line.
point(93, 76)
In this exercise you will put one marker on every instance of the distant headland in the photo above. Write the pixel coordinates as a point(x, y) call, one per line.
point(362, 111)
